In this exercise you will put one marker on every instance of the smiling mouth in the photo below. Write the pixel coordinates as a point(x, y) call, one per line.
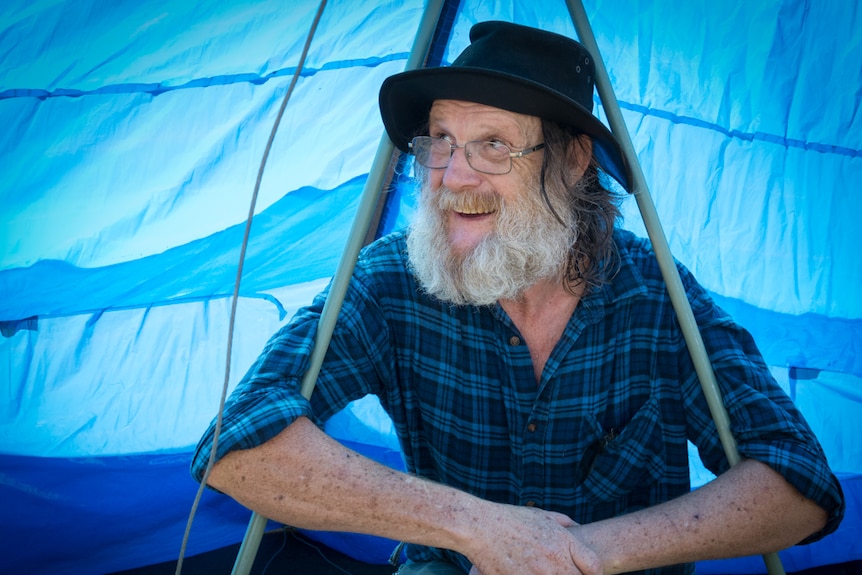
point(473, 214)
point(473, 204)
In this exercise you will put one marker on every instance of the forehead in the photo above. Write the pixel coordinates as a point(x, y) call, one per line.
point(453, 114)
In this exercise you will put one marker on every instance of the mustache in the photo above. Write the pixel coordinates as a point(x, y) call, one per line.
point(466, 202)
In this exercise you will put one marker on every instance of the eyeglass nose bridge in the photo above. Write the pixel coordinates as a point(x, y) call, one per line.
point(467, 155)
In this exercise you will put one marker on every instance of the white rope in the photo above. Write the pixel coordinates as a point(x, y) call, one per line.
point(235, 298)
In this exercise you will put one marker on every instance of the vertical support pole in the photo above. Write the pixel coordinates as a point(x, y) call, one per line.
point(355, 240)
point(690, 330)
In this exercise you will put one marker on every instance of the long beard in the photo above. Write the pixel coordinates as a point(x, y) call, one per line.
point(528, 244)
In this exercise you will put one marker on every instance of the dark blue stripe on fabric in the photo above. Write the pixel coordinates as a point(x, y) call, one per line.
point(443, 32)
point(201, 270)
point(67, 516)
point(809, 341)
point(738, 134)
point(157, 88)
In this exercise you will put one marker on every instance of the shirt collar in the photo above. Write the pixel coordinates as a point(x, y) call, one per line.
point(626, 283)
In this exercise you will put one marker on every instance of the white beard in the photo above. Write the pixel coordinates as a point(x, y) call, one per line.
point(528, 244)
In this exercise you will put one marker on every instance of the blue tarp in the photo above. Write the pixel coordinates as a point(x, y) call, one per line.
point(132, 134)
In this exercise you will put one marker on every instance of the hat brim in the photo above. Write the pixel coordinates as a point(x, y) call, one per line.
point(406, 99)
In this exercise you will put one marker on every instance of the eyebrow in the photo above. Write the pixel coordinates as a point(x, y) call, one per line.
point(489, 133)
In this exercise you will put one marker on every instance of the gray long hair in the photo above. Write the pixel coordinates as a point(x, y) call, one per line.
point(593, 259)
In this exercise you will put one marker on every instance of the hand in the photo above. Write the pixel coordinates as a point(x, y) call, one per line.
point(529, 541)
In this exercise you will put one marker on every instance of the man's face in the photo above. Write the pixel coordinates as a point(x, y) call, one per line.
point(476, 197)
point(478, 238)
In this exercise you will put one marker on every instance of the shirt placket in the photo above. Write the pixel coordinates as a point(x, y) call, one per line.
point(528, 416)
point(536, 409)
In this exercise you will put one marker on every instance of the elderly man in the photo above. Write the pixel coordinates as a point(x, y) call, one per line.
point(528, 355)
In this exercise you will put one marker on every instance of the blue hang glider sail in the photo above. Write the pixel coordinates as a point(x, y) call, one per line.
point(132, 133)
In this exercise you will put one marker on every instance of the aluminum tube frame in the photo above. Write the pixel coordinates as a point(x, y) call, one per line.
point(679, 300)
point(364, 215)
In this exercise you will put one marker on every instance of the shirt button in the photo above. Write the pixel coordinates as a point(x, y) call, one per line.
point(514, 340)
point(530, 504)
point(531, 427)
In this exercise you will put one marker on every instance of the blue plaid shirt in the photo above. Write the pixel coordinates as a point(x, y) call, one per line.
point(603, 433)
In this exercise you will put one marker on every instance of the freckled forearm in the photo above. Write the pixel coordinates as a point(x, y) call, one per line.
point(748, 511)
point(305, 479)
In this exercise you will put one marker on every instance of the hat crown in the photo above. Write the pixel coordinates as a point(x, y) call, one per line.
point(553, 61)
point(514, 68)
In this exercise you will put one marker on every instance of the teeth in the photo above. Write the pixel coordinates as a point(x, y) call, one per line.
point(467, 203)
point(474, 205)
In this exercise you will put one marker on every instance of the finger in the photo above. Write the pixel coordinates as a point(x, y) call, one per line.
point(584, 558)
point(562, 519)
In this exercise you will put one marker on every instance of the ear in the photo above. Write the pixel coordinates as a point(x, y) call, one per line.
point(580, 155)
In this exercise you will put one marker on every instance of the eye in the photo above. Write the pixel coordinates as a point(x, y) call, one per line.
point(494, 150)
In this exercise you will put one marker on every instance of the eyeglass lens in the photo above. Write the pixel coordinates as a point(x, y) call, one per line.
point(487, 157)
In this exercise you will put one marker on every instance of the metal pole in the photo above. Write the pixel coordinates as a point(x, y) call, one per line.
point(680, 302)
point(355, 240)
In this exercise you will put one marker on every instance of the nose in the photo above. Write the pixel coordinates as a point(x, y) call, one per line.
point(459, 174)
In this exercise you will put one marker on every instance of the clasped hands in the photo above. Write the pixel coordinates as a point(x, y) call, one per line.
point(530, 541)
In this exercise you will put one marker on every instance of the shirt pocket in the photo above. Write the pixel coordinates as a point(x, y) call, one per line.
point(618, 461)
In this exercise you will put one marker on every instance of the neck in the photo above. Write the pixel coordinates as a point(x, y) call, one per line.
point(542, 296)
point(541, 315)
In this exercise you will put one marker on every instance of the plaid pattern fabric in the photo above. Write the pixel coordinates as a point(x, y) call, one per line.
point(603, 433)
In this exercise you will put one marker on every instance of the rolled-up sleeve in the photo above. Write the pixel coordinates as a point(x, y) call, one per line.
point(268, 398)
point(765, 422)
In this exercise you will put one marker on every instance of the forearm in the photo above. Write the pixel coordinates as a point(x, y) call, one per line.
point(305, 479)
point(749, 510)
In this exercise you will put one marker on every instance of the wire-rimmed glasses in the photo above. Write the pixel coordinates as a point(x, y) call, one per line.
point(486, 157)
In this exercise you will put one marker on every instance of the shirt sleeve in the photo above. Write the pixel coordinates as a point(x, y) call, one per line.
point(268, 398)
point(765, 422)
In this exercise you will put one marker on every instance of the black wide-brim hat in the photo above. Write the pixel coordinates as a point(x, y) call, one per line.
point(515, 68)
